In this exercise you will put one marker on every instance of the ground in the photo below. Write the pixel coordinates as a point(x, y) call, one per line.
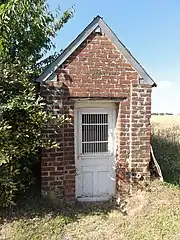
point(151, 214)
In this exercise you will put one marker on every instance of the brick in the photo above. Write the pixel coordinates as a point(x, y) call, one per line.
point(56, 173)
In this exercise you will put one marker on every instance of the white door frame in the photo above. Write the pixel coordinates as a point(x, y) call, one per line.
point(91, 107)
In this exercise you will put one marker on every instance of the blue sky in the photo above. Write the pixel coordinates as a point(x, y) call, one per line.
point(150, 29)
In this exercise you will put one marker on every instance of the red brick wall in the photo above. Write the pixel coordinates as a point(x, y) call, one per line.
point(97, 69)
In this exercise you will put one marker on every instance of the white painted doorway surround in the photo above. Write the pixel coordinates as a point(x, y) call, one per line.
point(95, 150)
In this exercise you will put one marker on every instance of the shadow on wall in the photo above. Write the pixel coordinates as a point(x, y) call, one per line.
point(166, 145)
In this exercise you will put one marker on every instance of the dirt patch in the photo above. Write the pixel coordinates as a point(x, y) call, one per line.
point(137, 202)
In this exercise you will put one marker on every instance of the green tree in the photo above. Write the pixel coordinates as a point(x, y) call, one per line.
point(27, 29)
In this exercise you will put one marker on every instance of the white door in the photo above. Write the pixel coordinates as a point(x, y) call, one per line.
point(95, 158)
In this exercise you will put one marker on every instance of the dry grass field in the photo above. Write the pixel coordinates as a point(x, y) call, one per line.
point(167, 120)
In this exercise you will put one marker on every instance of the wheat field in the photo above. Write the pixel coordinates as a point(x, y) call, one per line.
point(166, 119)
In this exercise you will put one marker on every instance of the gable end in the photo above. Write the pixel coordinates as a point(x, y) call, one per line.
point(97, 25)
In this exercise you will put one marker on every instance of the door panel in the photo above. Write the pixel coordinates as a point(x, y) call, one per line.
point(87, 184)
point(95, 176)
point(103, 182)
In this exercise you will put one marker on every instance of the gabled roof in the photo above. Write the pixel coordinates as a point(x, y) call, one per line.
point(97, 22)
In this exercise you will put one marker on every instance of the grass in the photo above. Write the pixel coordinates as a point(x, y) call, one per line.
point(166, 144)
point(152, 214)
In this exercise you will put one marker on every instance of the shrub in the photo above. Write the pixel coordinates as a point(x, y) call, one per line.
point(27, 28)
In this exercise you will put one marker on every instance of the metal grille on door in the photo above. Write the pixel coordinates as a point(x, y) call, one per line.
point(94, 133)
